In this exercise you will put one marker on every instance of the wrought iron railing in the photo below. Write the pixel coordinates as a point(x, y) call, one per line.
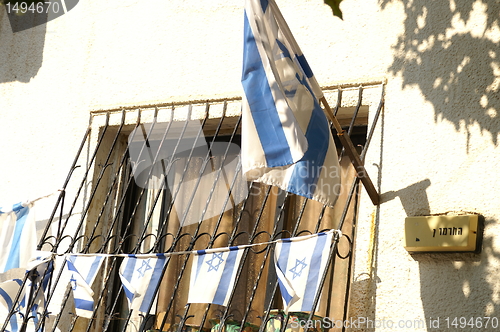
point(107, 207)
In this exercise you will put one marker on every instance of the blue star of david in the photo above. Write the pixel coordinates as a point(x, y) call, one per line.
point(300, 265)
point(73, 282)
point(144, 267)
point(215, 262)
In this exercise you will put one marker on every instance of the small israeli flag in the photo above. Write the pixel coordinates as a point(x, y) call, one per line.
point(140, 276)
point(213, 274)
point(300, 263)
point(17, 236)
point(83, 271)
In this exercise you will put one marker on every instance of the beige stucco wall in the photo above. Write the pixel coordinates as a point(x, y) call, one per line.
point(435, 148)
point(439, 153)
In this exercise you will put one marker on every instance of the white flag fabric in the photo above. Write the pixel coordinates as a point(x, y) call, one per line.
point(300, 263)
point(140, 276)
point(17, 236)
point(213, 273)
point(286, 138)
point(83, 271)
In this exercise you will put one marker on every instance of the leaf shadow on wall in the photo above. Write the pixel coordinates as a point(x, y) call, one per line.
point(448, 51)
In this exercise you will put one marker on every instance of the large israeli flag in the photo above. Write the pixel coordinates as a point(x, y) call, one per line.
point(17, 236)
point(83, 270)
point(286, 138)
point(140, 276)
point(213, 274)
point(300, 263)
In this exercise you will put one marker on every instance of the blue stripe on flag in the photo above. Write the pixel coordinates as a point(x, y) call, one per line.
point(199, 265)
point(287, 297)
point(305, 65)
point(13, 324)
point(261, 101)
point(71, 266)
point(282, 264)
point(18, 206)
point(313, 277)
point(284, 253)
point(200, 259)
point(129, 294)
point(129, 268)
point(264, 4)
point(34, 314)
point(307, 171)
point(48, 273)
point(15, 250)
point(93, 269)
point(226, 278)
point(127, 275)
point(284, 51)
point(153, 283)
point(84, 304)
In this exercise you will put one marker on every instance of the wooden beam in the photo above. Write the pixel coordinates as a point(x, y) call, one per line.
point(353, 155)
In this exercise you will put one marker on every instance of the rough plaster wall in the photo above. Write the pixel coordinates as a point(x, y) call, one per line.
point(102, 55)
point(435, 148)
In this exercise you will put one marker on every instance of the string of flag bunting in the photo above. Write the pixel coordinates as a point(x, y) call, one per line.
point(300, 262)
